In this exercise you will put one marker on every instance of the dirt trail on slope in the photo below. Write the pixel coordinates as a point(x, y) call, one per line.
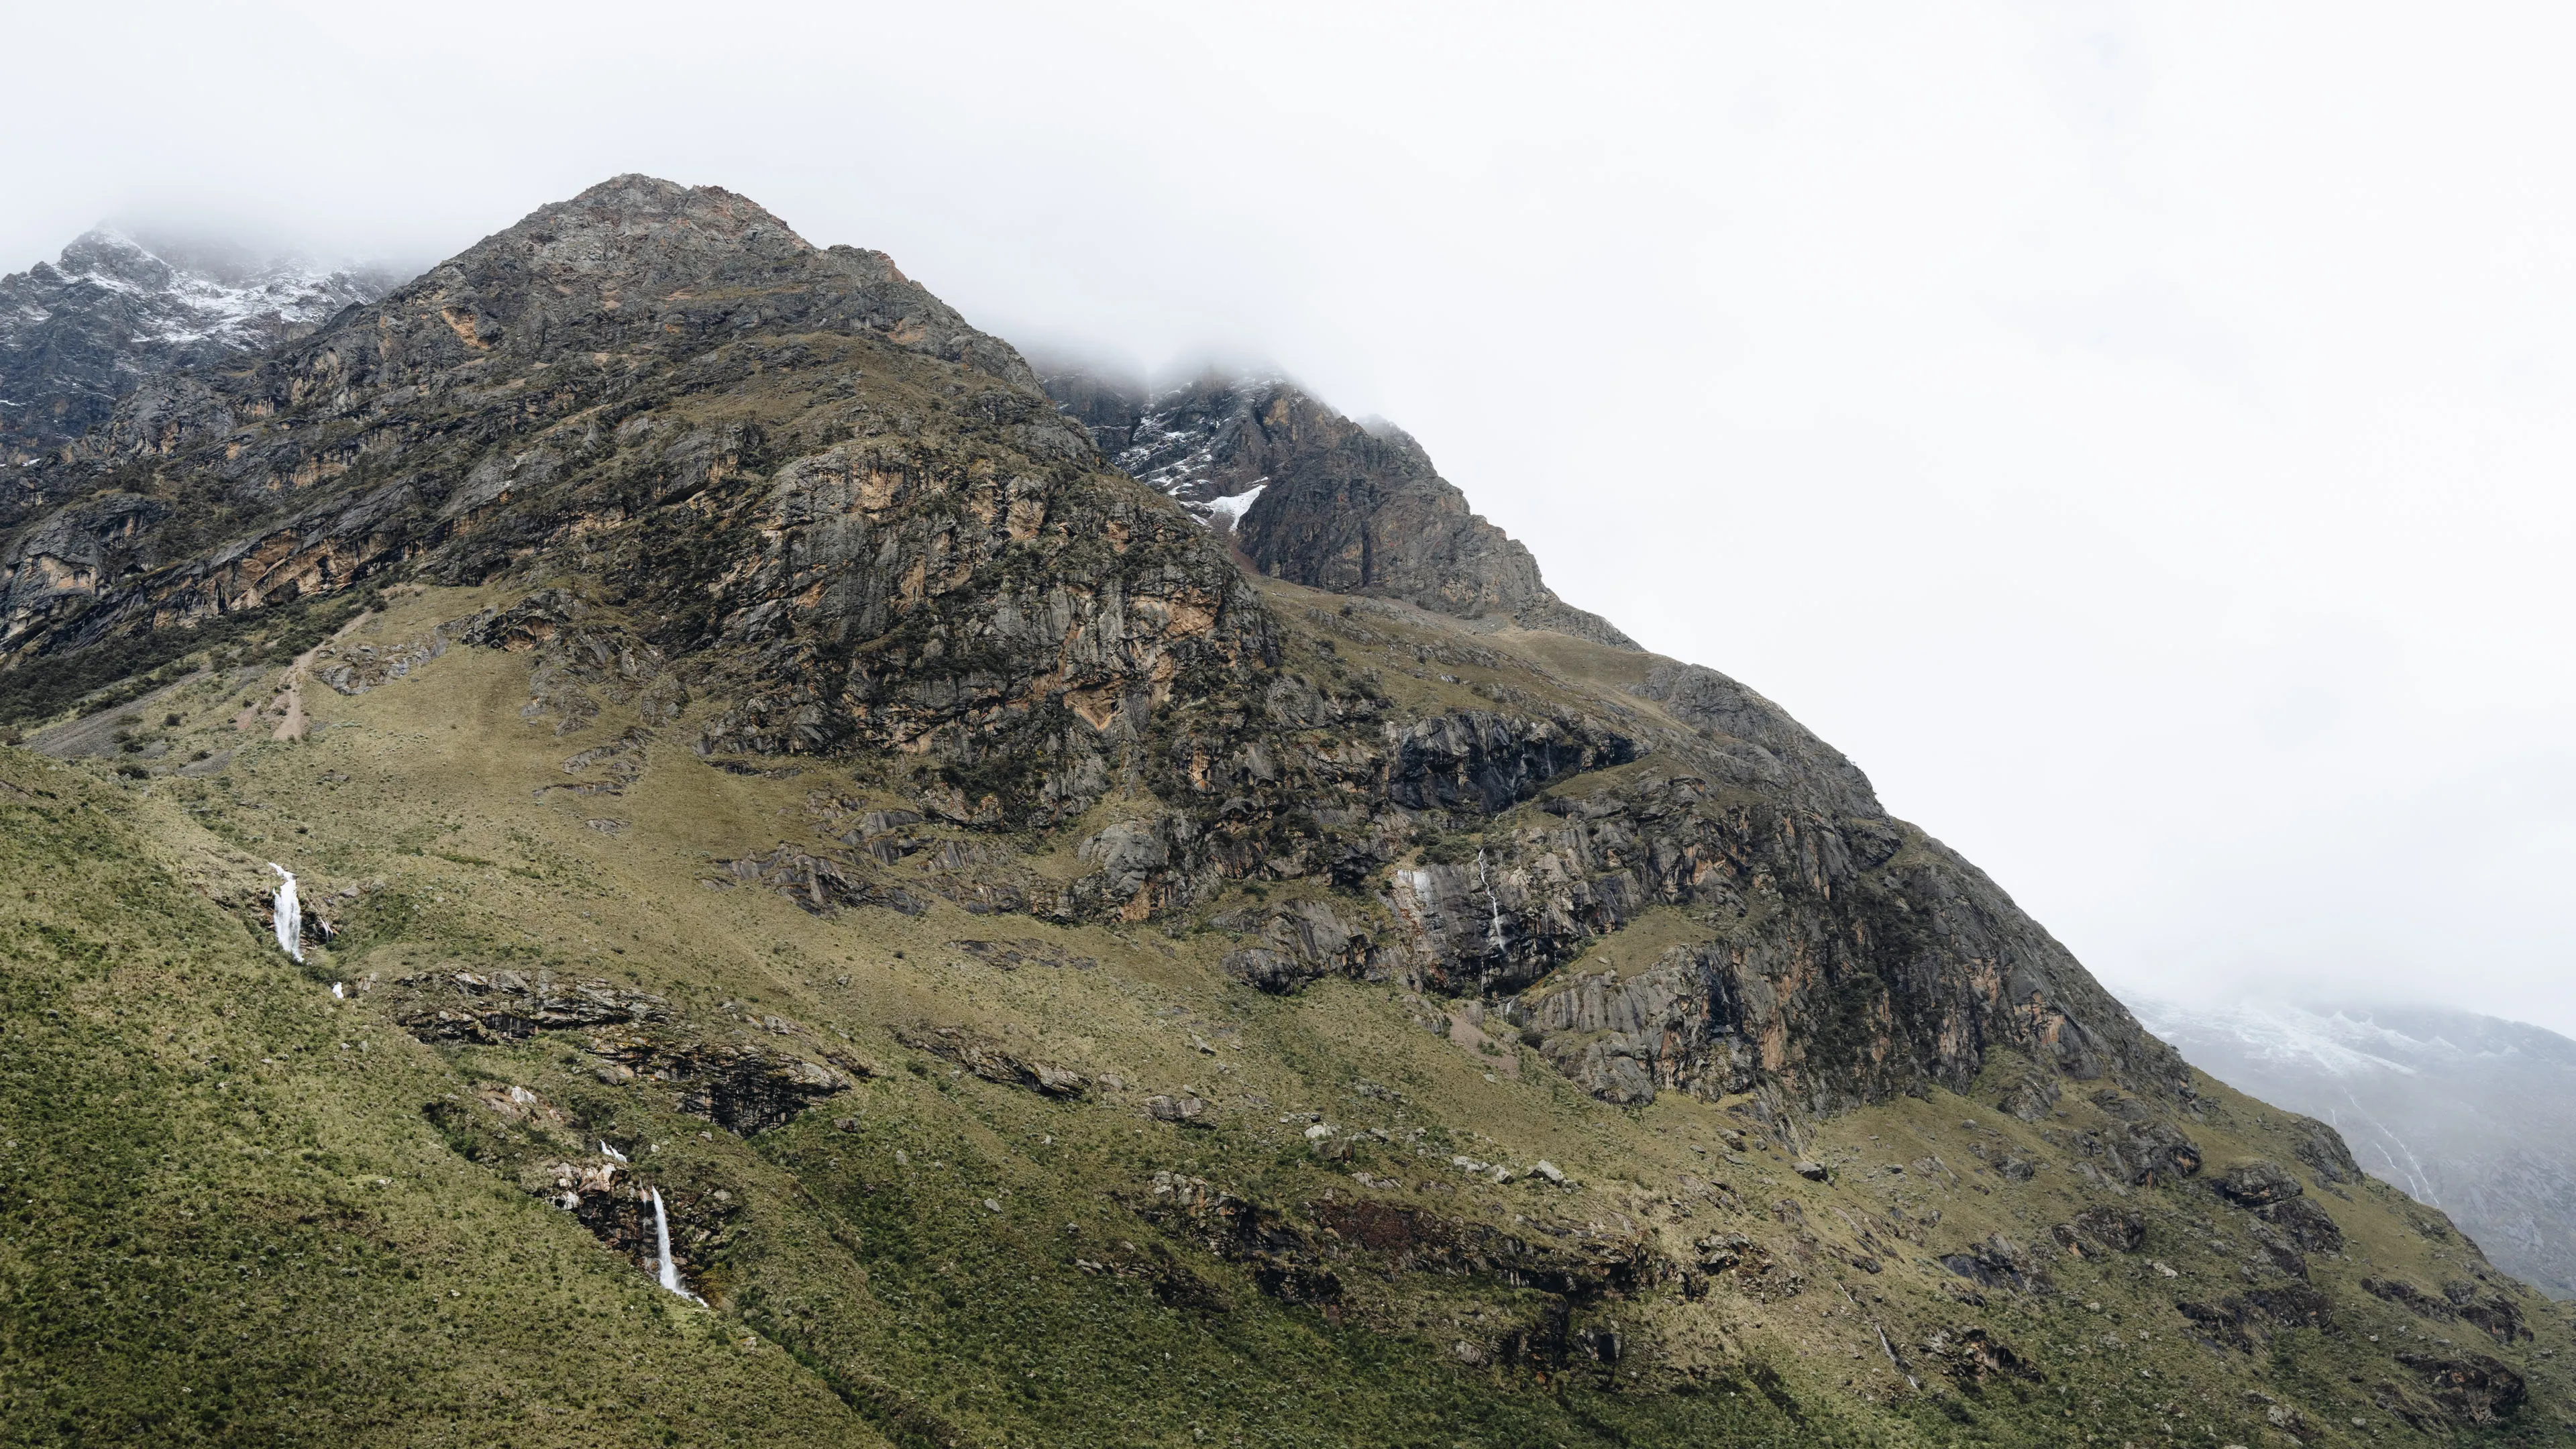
point(292, 723)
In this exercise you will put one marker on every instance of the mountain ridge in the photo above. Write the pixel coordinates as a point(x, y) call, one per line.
point(761, 776)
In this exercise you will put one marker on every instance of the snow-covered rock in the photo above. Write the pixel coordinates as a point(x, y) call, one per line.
point(78, 333)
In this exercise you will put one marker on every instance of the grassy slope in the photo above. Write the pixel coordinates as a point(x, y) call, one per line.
point(207, 1192)
point(227, 1221)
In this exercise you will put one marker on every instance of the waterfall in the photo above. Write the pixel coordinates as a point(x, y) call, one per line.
point(611, 1153)
point(1494, 927)
point(339, 991)
point(290, 916)
point(662, 1238)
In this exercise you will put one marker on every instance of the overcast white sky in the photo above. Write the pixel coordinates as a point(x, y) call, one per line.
point(2141, 436)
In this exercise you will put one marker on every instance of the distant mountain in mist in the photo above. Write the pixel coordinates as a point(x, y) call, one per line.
point(78, 333)
point(2472, 1114)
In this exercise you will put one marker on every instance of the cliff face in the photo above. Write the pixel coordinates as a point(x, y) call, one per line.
point(648, 581)
point(79, 333)
point(1317, 499)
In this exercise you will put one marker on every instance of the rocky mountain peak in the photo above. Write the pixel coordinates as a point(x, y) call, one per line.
point(1315, 497)
point(636, 266)
point(107, 256)
point(82, 331)
point(634, 233)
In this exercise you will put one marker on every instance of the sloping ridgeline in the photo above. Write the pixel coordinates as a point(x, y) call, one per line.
point(759, 770)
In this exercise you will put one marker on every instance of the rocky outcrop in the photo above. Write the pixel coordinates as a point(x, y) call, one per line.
point(819, 882)
point(1998, 1262)
point(1361, 511)
point(1304, 1261)
point(2140, 1147)
point(995, 1062)
point(1761, 740)
point(2468, 1388)
point(2245, 1321)
point(747, 1087)
point(2310, 1227)
point(1314, 497)
point(1674, 1026)
point(2459, 1301)
point(2103, 1229)
point(1974, 1356)
point(2257, 1184)
point(742, 1087)
point(506, 1006)
point(1483, 762)
point(1841, 963)
point(1295, 944)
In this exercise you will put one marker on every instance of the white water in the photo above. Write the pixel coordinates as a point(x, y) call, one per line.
point(339, 991)
point(290, 916)
point(1494, 926)
point(611, 1153)
point(662, 1239)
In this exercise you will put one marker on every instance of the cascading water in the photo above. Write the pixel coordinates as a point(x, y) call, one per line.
point(1494, 925)
point(290, 915)
point(670, 1273)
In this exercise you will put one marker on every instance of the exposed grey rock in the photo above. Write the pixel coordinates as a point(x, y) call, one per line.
point(1185, 1110)
point(1295, 944)
point(2471, 1388)
point(2258, 1184)
point(1674, 1025)
point(1997, 1262)
point(2103, 1229)
point(506, 1005)
point(2307, 1223)
point(995, 1062)
point(1316, 498)
point(1774, 745)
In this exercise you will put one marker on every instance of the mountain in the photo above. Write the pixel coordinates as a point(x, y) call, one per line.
point(1316, 498)
point(2465, 1112)
point(79, 333)
point(829, 912)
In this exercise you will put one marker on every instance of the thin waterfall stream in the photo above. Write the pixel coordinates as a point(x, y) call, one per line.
point(1494, 941)
point(670, 1271)
point(289, 913)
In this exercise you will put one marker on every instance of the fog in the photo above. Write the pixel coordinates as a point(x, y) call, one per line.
point(2141, 437)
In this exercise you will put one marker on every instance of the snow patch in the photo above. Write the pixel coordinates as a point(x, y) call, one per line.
point(1231, 509)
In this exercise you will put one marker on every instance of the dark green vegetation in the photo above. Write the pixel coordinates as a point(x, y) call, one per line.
point(1062, 991)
